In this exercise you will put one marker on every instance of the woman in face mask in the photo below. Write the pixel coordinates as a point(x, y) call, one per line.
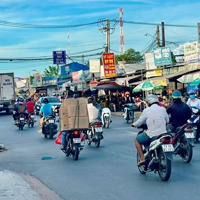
point(193, 101)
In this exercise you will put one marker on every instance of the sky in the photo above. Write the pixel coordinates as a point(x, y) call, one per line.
point(59, 16)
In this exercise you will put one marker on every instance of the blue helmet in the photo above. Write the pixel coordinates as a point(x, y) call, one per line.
point(176, 94)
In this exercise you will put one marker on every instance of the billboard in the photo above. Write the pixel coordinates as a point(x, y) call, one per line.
point(149, 61)
point(49, 80)
point(162, 56)
point(109, 64)
point(191, 52)
point(94, 65)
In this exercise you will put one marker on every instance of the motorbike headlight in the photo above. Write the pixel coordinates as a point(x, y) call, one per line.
point(195, 110)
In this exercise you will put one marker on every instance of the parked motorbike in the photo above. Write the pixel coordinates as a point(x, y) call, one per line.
point(195, 120)
point(129, 112)
point(158, 155)
point(21, 121)
point(49, 128)
point(31, 119)
point(95, 134)
point(183, 142)
point(106, 117)
point(73, 143)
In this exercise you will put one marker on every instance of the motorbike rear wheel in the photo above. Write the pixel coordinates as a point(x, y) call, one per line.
point(131, 116)
point(75, 153)
point(97, 142)
point(187, 152)
point(106, 122)
point(32, 124)
point(140, 168)
point(164, 169)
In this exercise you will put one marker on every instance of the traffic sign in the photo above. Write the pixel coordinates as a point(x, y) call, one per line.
point(59, 57)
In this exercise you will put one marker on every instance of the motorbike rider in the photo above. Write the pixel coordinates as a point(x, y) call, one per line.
point(45, 110)
point(30, 105)
point(156, 119)
point(193, 101)
point(179, 112)
point(19, 108)
point(127, 100)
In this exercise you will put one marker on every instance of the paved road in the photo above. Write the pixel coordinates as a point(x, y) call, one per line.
point(109, 172)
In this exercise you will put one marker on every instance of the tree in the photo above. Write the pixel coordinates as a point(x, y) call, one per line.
point(52, 71)
point(130, 56)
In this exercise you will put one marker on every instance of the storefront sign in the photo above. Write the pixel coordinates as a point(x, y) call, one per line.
point(156, 72)
point(162, 82)
point(109, 64)
point(49, 80)
point(162, 56)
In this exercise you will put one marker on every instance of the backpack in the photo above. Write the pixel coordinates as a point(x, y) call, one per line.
point(21, 108)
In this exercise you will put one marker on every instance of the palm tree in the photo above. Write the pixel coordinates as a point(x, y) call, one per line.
point(52, 71)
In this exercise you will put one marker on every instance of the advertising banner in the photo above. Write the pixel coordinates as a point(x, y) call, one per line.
point(162, 56)
point(149, 61)
point(94, 65)
point(109, 64)
point(156, 72)
point(191, 52)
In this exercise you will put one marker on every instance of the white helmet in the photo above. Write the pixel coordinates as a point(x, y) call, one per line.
point(151, 99)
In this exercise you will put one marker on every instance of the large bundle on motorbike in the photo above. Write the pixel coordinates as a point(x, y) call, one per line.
point(74, 114)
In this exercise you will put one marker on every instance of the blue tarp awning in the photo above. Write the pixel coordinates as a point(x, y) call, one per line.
point(66, 70)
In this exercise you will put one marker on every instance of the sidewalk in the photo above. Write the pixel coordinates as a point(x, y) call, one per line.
point(14, 187)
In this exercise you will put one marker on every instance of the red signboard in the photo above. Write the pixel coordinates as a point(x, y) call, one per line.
point(109, 64)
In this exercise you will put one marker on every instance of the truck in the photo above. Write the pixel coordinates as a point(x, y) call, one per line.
point(7, 92)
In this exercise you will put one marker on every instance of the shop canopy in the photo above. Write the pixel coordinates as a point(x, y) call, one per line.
point(196, 82)
point(145, 86)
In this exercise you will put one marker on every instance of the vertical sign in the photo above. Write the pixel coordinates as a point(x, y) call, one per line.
point(162, 56)
point(109, 64)
point(59, 57)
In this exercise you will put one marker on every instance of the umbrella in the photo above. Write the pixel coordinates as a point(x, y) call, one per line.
point(196, 82)
point(145, 86)
point(108, 87)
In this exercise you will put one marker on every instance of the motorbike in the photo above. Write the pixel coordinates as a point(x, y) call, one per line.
point(73, 143)
point(95, 134)
point(106, 115)
point(129, 112)
point(158, 155)
point(49, 128)
point(195, 120)
point(21, 121)
point(31, 120)
point(183, 142)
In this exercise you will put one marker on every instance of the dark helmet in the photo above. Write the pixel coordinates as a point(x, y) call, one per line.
point(45, 100)
point(90, 99)
point(20, 99)
point(29, 99)
point(176, 94)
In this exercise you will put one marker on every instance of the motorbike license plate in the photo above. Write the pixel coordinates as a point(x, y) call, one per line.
point(21, 118)
point(99, 129)
point(189, 135)
point(167, 148)
point(76, 140)
point(51, 121)
point(1, 106)
point(32, 116)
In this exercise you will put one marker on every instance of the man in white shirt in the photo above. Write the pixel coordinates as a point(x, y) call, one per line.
point(156, 119)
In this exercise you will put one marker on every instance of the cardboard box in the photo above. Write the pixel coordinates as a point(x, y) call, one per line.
point(63, 125)
point(81, 111)
point(63, 112)
point(73, 101)
point(81, 122)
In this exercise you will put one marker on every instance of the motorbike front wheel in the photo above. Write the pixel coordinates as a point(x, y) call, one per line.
point(75, 153)
point(107, 122)
point(97, 142)
point(187, 151)
point(164, 169)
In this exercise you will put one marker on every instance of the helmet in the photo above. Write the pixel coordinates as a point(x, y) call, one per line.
point(151, 99)
point(29, 99)
point(20, 99)
point(45, 100)
point(127, 93)
point(191, 92)
point(176, 94)
point(90, 99)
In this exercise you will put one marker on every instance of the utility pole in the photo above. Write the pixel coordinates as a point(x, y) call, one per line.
point(107, 48)
point(83, 59)
point(158, 36)
point(163, 34)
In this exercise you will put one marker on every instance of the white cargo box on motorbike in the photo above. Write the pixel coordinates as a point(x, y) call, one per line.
point(74, 114)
